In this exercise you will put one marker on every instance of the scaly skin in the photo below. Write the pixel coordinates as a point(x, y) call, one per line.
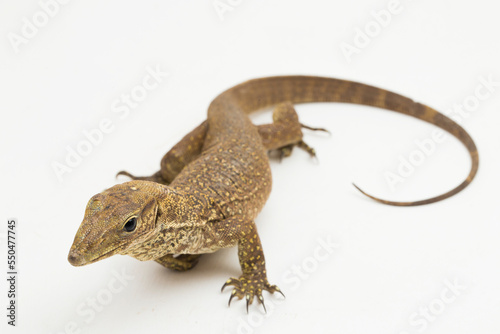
point(214, 182)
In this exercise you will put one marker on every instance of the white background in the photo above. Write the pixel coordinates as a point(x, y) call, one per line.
point(390, 263)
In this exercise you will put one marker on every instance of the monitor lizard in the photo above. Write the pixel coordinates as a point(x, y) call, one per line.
point(215, 181)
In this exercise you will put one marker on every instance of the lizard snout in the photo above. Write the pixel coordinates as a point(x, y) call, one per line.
point(75, 258)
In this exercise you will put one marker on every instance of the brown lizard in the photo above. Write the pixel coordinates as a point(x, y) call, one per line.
point(214, 182)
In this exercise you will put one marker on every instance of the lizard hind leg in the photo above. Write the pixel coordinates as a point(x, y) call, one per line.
point(285, 132)
point(182, 262)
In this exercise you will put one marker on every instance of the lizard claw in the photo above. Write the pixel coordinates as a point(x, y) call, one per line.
point(231, 281)
point(278, 290)
point(261, 299)
point(231, 298)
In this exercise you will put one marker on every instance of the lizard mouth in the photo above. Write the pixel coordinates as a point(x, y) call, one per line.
point(78, 259)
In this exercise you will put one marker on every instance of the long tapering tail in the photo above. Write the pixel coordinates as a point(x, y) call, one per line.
point(266, 92)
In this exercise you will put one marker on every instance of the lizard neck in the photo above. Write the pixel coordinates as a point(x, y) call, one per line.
point(178, 208)
point(181, 219)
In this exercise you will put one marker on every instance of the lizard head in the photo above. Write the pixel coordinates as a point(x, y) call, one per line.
point(115, 220)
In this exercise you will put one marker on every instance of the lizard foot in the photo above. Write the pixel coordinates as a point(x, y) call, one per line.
point(182, 262)
point(286, 151)
point(307, 148)
point(185, 262)
point(249, 287)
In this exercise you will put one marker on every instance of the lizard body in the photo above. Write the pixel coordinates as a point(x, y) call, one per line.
point(215, 181)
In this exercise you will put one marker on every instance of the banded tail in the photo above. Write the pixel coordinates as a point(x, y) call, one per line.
point(266, 92)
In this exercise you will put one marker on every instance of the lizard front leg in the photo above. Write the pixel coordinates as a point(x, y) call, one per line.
point(172, 163)
point(182, 262)
point(253, 281)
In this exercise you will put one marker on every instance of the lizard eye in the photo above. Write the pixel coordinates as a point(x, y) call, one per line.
point(130, 225)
